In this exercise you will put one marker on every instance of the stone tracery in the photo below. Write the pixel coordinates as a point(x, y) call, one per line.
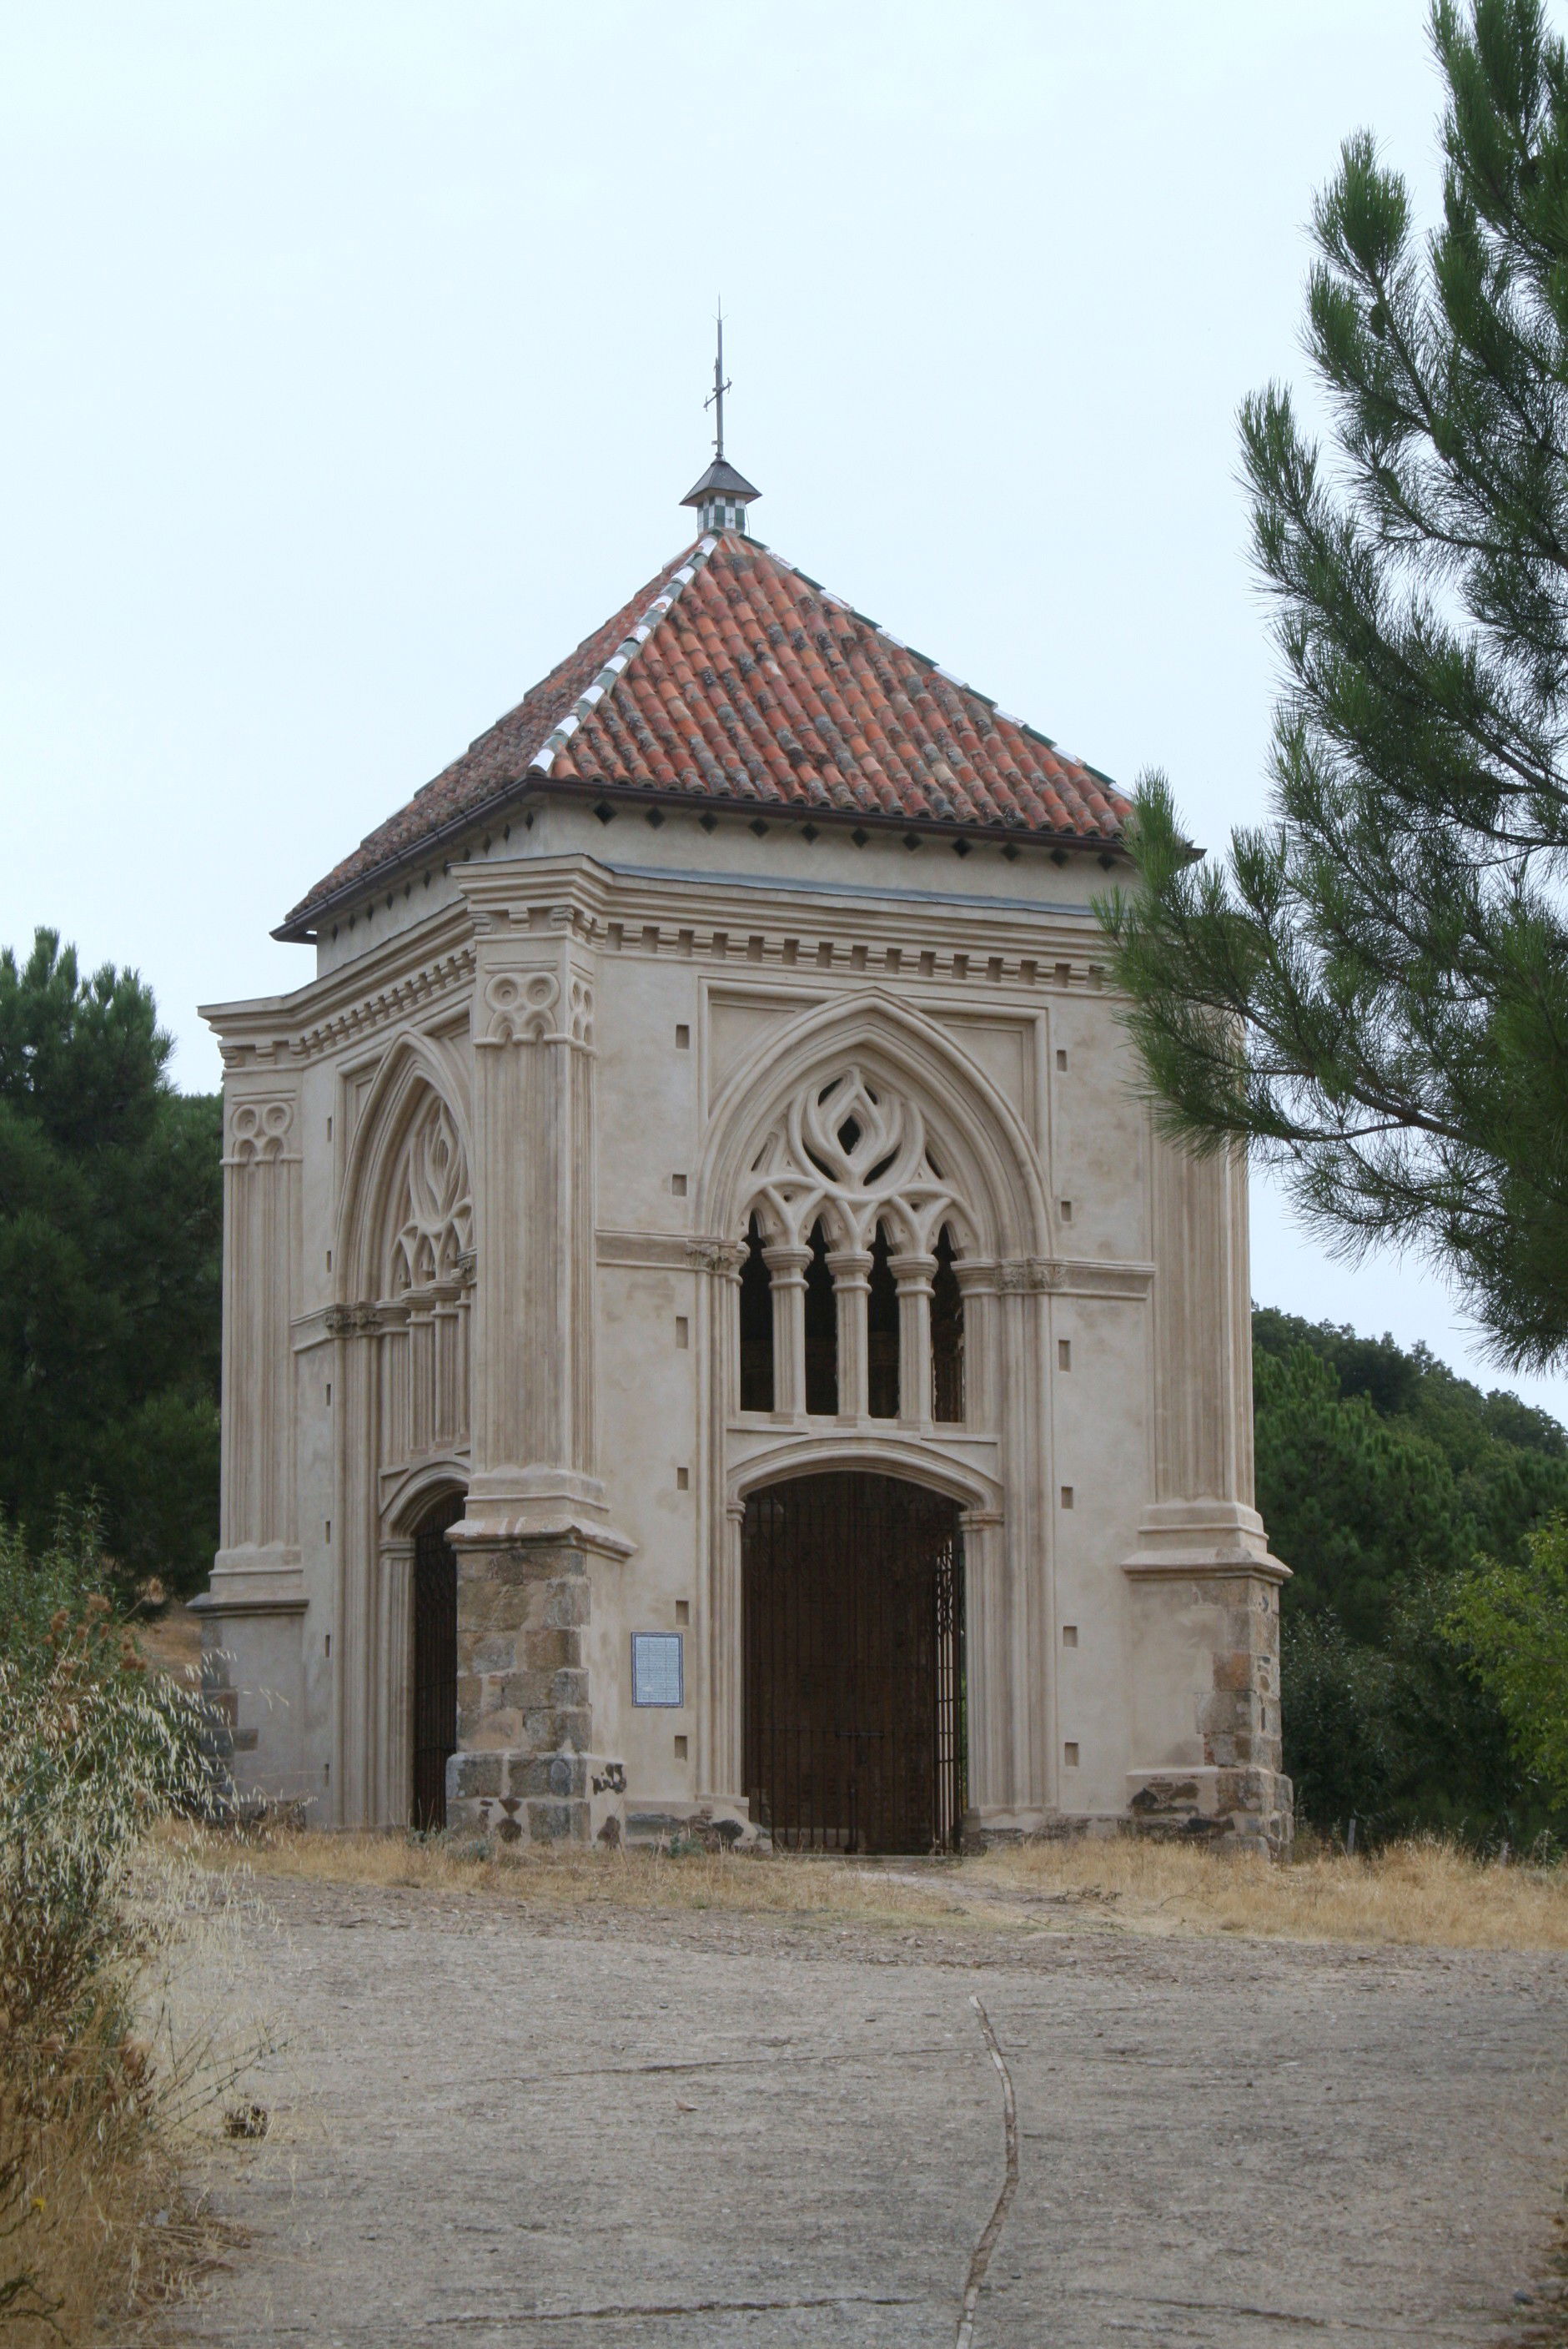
point(433, 1220)
point(424, 1321)
point(854, 1152)
point(851, 1212)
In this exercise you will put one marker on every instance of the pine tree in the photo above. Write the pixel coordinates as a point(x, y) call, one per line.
point(1373, 992)
point(110, 1239)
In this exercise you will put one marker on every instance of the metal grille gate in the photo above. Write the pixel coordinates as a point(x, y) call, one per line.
point(435, 1660)
point(854, 1599)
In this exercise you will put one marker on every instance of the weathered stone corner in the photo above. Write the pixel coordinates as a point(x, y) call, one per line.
point(525, 1771)
point(1243, 1808)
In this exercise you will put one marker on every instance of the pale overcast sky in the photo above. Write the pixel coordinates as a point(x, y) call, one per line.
point(355, 370)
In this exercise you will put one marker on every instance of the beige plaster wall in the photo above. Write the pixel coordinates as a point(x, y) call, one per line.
point(743, 942)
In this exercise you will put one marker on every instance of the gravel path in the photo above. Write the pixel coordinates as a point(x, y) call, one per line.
point(704, 2130)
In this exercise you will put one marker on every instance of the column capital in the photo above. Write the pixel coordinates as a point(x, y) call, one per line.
point(353, 1321)
point(718, 1256)
point(784, 1260)
point(850, 1267)
point(978, 1275)
point(914, 1270)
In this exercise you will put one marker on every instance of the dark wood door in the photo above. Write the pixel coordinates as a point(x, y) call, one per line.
point(854, 1599)
point(435, 1662)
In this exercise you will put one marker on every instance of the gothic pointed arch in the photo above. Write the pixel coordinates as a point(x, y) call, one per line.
point(405, 1187)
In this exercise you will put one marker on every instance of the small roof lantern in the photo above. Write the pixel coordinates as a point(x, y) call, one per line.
point(721, 497)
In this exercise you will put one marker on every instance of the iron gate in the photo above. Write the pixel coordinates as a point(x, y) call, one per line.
point(435, 1662)
point(853, 1603)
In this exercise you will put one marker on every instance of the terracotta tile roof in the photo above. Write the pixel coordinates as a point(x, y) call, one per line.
point(735, 678)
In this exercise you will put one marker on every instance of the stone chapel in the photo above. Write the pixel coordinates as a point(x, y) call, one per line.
point(713, 1341)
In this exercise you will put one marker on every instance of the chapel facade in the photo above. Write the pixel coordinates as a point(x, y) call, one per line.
point(712, 1338)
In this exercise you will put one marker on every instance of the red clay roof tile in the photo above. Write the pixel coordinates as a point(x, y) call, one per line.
point(732, 675)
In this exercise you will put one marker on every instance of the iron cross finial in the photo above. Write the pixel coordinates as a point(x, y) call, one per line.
point(715, 397)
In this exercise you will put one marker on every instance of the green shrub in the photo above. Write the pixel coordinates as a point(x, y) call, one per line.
point(1510, 1618)
point(93, 1750)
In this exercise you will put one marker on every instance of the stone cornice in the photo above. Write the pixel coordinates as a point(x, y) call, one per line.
point(725, 922)
point(426, 964)
point(783, 924)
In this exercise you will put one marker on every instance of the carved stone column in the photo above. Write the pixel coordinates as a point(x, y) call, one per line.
point(259, 1530)
point(715, 1693)
point(251, 1612)
point(353, 1542)
point(533, 1193)
point(1205, 1591)
point(393, 1758)
point(913, 1276)
point(787, 1274)
point(851, 1271)
point(538, 1686)
point(977, 1282)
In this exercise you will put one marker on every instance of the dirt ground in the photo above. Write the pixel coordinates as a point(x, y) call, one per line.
point(489, 2126)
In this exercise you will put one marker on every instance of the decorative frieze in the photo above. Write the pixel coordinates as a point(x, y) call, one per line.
point(790, 947)
point(446, 974)
point(1063, 1277)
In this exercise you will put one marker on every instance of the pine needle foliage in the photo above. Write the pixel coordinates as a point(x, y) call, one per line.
point(110, 1248)
point(1373, 988)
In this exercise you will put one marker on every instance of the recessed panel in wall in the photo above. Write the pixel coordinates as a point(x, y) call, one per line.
point(737, 1020)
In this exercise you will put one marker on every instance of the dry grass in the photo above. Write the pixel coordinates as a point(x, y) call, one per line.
point(574, 1881)
point(97, 2122)
point(104, 2224)
point(170, 1643)
point(1422, 1894)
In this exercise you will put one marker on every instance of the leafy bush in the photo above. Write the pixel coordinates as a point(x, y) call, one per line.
point(93, 1749)
point(1510, 1617)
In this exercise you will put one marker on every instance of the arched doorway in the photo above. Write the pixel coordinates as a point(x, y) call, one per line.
point(854, 1725)
point(435, 1694)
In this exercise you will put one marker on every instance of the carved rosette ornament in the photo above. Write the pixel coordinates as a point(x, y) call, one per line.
point(258, 1132)
point(855, 1154)
point(526, 1007)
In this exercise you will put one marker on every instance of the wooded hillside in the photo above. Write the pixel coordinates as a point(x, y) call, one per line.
point(1380, 1476)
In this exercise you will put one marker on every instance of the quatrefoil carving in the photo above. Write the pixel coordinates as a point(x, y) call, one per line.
point(258, 1131)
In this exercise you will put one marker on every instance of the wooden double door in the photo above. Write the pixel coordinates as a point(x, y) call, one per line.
point(854, 1614)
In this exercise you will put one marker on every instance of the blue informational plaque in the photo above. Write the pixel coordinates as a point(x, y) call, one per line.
point(658, 1667)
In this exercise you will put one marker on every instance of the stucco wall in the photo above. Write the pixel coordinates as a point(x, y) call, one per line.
point(705, 970)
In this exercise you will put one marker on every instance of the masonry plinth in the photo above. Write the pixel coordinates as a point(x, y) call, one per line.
point(528, 1768)
point(1205, 1659)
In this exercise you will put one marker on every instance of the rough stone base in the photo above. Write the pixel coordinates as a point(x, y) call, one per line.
point(525, 1770)
point(541, 1798)
point(1235, 1806)
point(716, 1829)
